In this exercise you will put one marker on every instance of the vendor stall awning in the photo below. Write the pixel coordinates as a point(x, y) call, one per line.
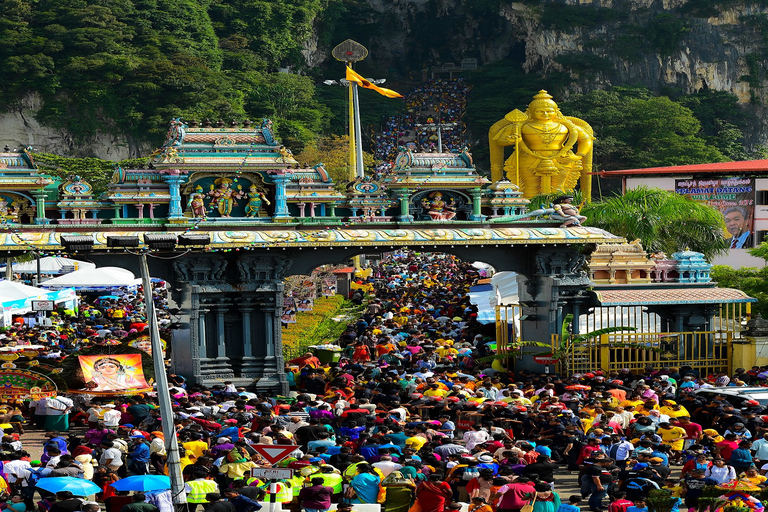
point(655, 296)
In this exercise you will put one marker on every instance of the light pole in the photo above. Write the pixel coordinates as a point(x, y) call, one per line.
point(178, 494)
point(356, 146)
point(349, 52)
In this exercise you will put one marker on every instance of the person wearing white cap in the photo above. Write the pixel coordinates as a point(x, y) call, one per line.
point(112, 416)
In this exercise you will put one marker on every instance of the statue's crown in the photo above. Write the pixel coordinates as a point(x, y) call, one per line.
point(543, 95)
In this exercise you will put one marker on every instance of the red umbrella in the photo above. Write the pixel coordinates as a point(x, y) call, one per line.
point(578, 387)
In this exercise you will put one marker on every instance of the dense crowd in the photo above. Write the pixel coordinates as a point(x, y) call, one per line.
point(434, 102)
point(415, 417)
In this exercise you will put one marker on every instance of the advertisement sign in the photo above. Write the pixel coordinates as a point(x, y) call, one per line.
point(289, 311)
point(734, 197)
point(110, 373)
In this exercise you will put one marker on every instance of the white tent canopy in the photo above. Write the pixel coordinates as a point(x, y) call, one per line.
point(96, 279)
point(12, 291)
point(52, 265)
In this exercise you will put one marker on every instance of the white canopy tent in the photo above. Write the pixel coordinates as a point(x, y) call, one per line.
point(102, 279)
point(51, 265)
point(16, 298)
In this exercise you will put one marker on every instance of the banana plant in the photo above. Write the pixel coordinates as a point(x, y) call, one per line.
point(569, 343)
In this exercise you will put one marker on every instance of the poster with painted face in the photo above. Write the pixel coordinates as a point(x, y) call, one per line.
point(108, 373)
point(734, 197)
point(145, 344)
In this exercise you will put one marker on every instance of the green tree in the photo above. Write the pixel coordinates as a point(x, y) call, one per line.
point(634, 129)
point(663, 220)
point(747, 279)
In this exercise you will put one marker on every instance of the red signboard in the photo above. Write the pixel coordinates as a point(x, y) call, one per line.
point(545, 359)
point(274, 453)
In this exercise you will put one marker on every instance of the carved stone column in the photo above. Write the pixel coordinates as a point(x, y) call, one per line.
point(548, 291)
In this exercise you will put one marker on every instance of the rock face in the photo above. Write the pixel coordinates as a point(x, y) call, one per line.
point(19, 128)
point(668, 46)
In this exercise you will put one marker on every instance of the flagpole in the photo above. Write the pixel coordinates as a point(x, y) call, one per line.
point(352, 146)
point(358, 135)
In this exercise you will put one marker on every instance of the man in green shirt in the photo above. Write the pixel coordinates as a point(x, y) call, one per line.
point(137, 504)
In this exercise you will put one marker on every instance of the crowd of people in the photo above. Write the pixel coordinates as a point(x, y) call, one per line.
point(437, 101)
point(415, 416)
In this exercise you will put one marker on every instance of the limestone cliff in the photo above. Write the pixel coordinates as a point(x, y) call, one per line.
point(668, 46)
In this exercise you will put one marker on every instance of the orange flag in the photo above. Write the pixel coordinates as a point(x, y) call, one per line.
point(355, 77)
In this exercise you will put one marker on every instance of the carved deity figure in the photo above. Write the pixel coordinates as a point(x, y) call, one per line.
point(197, 203)
point(439, 209)
point(566, 212)
point(224, 197)
point(255, 199)
point(552, 153)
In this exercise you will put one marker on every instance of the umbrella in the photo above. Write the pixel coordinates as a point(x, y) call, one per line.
point(578, 387)
point(77, 486)
point(143, 483)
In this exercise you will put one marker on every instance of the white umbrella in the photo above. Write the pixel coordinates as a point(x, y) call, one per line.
point(13, 291)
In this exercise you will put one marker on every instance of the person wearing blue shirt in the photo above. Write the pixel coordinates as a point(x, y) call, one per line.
point(572, 505)
point(138, 458)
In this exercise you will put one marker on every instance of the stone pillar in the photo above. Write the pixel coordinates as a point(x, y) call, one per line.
point(332, 209)
point(301, 209)
point(547, 292)
point(221, 339)
point(152, 211)
point(39, 196)
point(140, 210)
point(404, 195)
point(280, 179)
point(477, 196)
point(312, 209)
point(174, 178)
point(117, 208)
point(202, 345)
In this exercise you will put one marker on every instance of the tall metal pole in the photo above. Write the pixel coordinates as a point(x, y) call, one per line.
point(358, 136)
point(37, 258)
point(178, 494)
point(439, 139)
point(352, 146)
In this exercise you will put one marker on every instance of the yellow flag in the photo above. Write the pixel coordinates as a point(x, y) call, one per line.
point(355, 77)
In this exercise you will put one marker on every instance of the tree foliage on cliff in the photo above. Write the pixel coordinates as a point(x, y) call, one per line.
point(137, 63)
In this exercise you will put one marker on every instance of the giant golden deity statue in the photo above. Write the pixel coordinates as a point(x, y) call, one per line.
point(552, 152)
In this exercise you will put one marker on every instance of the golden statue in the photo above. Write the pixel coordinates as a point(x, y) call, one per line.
point(552, 152)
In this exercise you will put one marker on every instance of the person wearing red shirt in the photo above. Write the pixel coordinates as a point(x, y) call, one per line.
point(619, 503)
point(593, 445)
point(725, 447)
point(692, 431)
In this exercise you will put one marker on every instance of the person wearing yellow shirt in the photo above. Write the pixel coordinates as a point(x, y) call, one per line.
point(674, 410)
point(631, 402)
point(447, 351)
point(752, 477)
point(674, 437)
point(197, 446)
point(434, 390)
point(415, 442)
point(646, 407)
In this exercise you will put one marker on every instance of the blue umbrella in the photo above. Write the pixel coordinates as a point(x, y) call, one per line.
point(143, 483)
point(77, 486)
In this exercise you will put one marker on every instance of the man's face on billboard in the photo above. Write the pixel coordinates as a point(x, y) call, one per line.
point(735, 223)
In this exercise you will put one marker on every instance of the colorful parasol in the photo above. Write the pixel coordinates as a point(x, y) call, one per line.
point(578, 387)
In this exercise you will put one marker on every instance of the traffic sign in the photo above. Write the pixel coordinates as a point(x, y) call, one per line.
point(272, 473)
point(274, 453)
point(43, 305)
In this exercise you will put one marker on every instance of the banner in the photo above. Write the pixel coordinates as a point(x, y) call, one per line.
point(289, 311)
point(734, 197)
point(329, 287)
point(118, 373)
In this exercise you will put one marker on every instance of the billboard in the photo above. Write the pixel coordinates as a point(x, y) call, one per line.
point(113, 373)
point(734, 197)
